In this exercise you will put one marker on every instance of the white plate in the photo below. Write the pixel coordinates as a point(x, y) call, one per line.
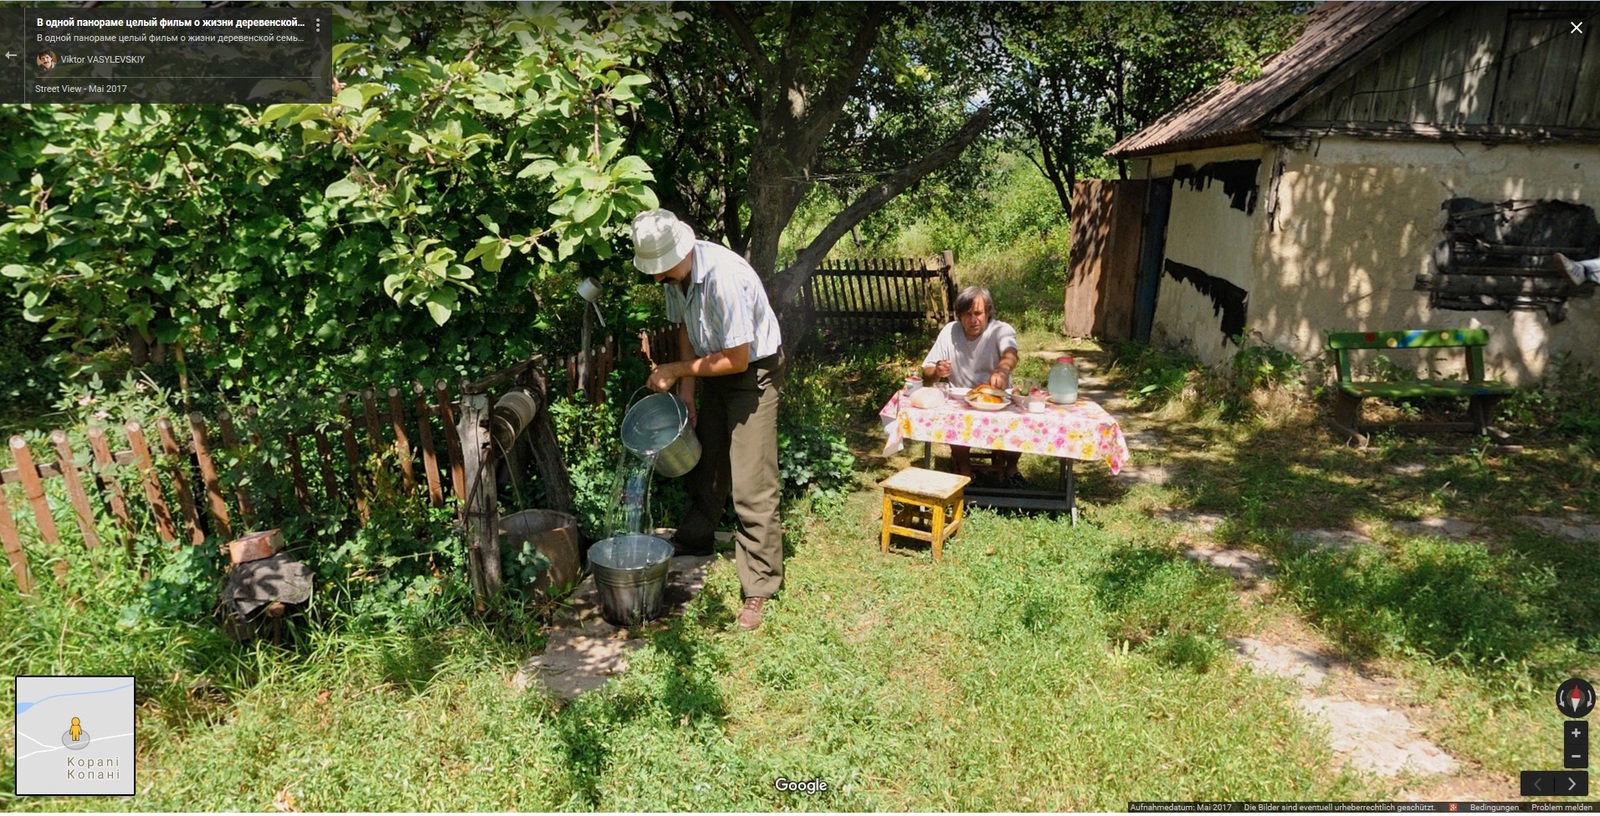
point(985, 406)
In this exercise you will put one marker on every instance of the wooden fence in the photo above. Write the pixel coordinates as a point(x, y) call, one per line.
point(589, 377)
point(190, 478)
point(870, 295)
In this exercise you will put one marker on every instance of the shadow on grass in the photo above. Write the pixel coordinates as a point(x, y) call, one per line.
point(1515, 608)
point(1165, 605)
point(680, 694)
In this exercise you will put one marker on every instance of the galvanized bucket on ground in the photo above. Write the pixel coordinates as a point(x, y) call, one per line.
point(659, 425)
point(630, 574)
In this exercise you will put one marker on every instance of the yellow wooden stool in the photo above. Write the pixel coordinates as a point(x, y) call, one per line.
point(924, 496)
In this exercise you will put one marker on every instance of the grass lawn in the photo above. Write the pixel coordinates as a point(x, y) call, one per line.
point(1040, 666)
point(1000, 679)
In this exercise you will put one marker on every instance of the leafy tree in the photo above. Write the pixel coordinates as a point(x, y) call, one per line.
point(1071, 79)
point(471, 165)
point(855, 94)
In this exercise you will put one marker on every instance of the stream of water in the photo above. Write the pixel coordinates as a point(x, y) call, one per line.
point(631, 505)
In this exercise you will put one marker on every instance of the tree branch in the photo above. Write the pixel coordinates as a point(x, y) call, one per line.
point(831, 101)
point(843, 83)
point(786, 285)
point(747, 38)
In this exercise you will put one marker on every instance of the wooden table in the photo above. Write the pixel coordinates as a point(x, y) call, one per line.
point(1082, 430)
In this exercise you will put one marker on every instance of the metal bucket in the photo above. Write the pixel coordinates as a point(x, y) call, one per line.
point(554, 535)
point(630, 573)
point(659, 425)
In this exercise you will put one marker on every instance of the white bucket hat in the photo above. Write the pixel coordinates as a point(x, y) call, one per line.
point(660, 241)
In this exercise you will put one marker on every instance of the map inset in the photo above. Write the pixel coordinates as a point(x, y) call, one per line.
point(74, 736)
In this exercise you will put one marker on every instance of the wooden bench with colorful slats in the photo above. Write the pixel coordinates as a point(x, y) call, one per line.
point(1483, 394)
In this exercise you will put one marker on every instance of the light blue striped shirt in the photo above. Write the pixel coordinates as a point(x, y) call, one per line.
point(726, 305)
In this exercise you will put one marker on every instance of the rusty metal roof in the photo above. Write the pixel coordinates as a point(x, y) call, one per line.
point(1229, 112)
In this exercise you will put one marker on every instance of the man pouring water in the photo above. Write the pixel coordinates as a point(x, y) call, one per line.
point(729, 342)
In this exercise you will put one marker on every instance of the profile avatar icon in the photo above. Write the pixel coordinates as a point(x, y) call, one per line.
point(47, 60)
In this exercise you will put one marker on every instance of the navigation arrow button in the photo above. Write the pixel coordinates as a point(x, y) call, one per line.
point(10, 55)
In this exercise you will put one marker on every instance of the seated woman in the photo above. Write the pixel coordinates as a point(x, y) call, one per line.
point(972, 350)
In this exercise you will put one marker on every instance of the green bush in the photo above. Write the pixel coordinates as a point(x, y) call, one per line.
point(1151, 376)
point(28, 377)
point(1566, 404)
point(1264, 366)
point(814, 453)
point(590, 439)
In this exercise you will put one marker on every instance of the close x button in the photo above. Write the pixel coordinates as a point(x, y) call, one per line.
point(1555, 783)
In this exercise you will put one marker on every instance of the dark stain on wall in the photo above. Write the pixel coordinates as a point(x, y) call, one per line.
point(1227, 300)
point(1238, 181)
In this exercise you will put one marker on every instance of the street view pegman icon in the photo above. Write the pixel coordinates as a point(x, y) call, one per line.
point(76, 737)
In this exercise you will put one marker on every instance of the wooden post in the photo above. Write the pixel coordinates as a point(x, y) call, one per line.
point(230, 442)
point(430, 458)
point(482, 514)
point(546, 450)
point(108, 484)
point(374, 435)
point(152, 484)
point(13, 545)
point(452, 441)
point(354, 456)
point(208, 473)
point(33, 488)
point(946, 272)
point(180, 479)
point(586, 356)
point(75, 492)
point(402, 443)
point(302, 494)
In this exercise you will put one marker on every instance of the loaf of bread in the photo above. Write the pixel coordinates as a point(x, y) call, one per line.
point(927, 398)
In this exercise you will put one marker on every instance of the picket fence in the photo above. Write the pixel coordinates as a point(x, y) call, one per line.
point(195, 478)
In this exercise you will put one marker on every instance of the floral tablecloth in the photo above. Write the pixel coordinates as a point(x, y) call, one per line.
point(1082, 430)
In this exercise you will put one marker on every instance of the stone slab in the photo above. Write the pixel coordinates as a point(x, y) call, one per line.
point(584, 651)
point(1148, 474)
point(1441, 526)
point(1142, 439)
point(1243, 565)
point(1340, 540)
point(1304, 666)
point(1378, 739)
point(1576, 527)
point(1205, 521)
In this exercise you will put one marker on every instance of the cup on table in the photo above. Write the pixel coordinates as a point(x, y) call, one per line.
point(912, 384)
